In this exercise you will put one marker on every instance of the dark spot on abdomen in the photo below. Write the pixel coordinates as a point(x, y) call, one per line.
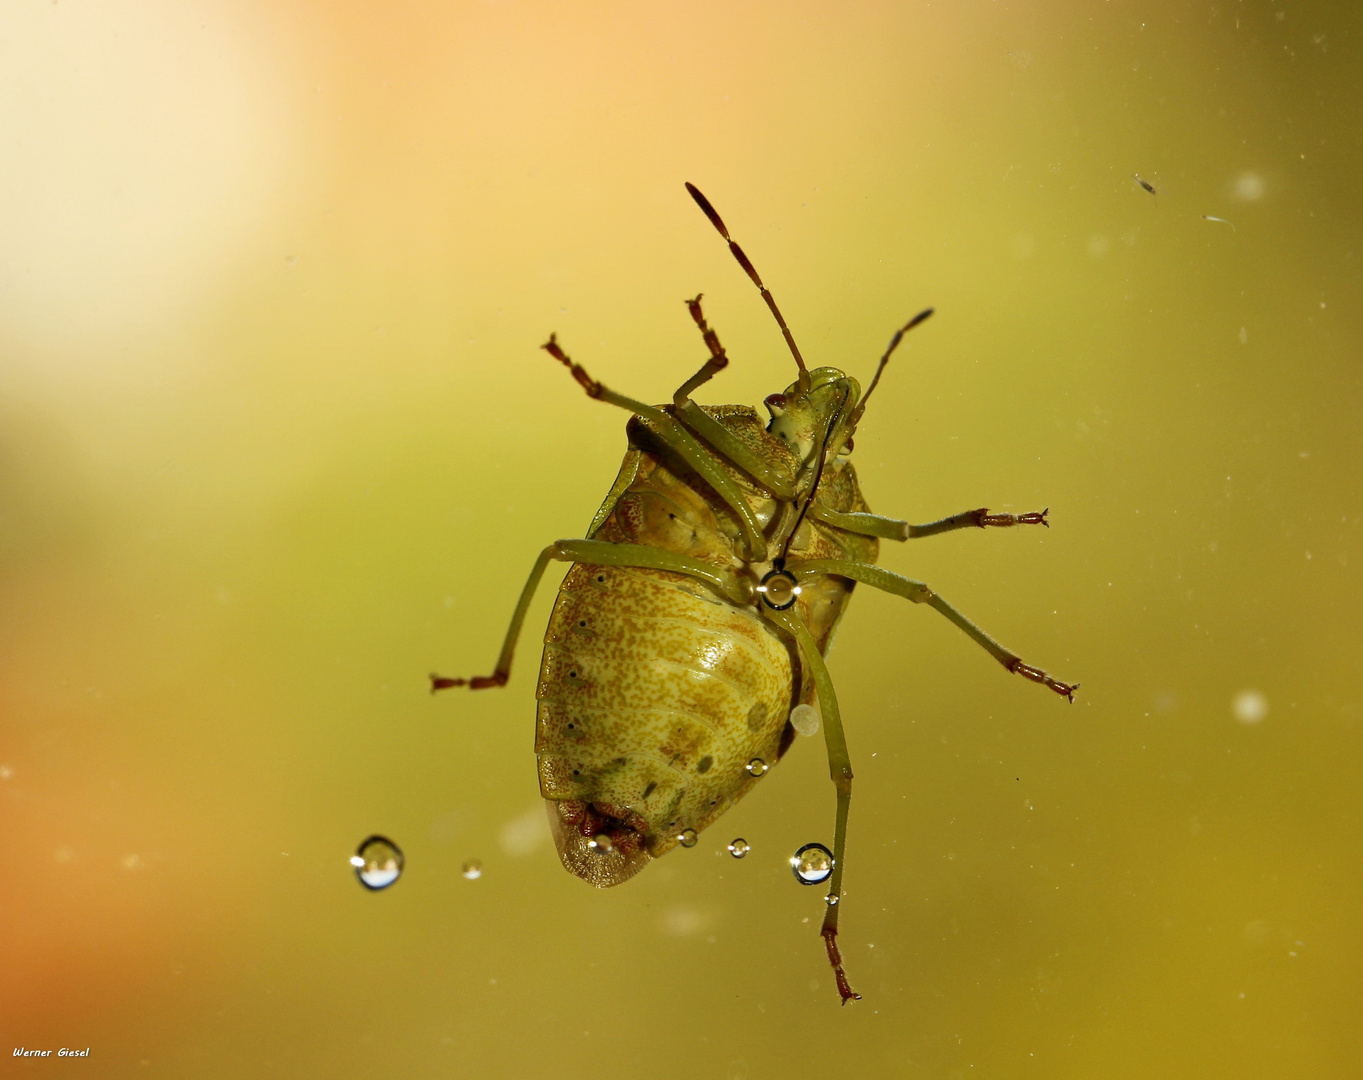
point(757, 716)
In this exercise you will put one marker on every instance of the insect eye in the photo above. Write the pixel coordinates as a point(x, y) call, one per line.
point(775, 402)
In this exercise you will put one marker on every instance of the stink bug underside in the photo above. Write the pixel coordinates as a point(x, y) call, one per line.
point(698, 610)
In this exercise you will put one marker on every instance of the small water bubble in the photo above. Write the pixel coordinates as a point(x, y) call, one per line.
point(805, 719)
point(687, 838)
point(738, 848)
point(812, 864)
point(1250, 706)
point(473, 869)
point(779, 590)
point(757, 767)
point(1248, 187)
point(526, 831)
point(601, 844)
point(377, 862)
point(831, 899)
point(683, 921)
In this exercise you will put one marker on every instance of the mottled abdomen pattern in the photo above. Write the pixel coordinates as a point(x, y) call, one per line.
point(653, 697)
point(654, 694)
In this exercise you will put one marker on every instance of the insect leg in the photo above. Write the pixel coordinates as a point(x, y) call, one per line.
point(840, 769)
point(502, 671)
point(718, 361)
point(862, 524)
point(678, 439)
point(980, 518)
point(597, 553)
point(605, 553)
point(922, 594)
point(710, 430)
point(894, 529)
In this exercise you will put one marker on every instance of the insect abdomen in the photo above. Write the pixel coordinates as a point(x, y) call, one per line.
point(653, 698)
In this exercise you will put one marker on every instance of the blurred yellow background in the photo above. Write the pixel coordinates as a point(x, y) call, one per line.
point(276, 440)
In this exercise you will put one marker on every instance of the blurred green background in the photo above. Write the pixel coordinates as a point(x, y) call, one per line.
point(276, 440)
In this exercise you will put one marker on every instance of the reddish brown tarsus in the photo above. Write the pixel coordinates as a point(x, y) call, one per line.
point(830, 934)
point(478, 682)
point(584, 380)
point(983, 518)
point(1065, 690)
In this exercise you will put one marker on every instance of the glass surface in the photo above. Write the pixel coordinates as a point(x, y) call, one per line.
point(277, 440)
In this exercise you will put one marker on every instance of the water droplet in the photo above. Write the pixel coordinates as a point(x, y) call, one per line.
point(687, 838)
point(757, 767)
point(377, 862)
point(738, 848)
point(473, 869)
point(683, 921)
point(778, 589)
point(805, 719)
point(812, 864)
point(831, 900)
point(1250, 706)
point(601, 844)
point(1248, 187)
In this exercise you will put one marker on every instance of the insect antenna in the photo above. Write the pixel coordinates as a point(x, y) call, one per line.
point(894, 344)
point(751, 270)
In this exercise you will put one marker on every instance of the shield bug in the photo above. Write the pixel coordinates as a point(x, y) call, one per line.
point(696, 614)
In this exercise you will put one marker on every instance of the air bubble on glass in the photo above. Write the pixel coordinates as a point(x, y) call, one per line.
point(812, 864)
point(377, 862)
point(757, 767)
point(1250, 707)
point(687, 838)
point(738, 847)
point(805, 719)
point(473, 869)
point(1248, 187)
